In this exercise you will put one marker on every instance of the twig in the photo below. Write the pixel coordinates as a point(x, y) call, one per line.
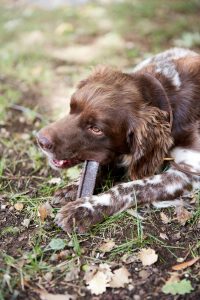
point(20, 177)
point(26, 110)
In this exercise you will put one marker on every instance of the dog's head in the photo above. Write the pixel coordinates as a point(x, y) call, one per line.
point(110, 117)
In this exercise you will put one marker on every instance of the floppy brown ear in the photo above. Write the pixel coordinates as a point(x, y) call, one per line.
point(149, 136)
point(154, 93)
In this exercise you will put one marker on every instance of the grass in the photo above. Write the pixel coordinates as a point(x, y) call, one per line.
point(32, 81)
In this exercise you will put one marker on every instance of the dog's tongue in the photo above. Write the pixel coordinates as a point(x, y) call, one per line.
point(65, 163)
point(61, 163)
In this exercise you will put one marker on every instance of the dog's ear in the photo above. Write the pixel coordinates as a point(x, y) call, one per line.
point(153, 92)
point(149, 141)
point(149, 135)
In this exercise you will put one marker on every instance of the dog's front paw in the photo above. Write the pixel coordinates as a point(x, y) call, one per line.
point(65, 195)
point(79, 215)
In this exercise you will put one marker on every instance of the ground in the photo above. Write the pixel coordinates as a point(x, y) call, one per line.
point(44, 52)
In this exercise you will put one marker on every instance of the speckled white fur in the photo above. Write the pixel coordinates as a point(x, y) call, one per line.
point(163, 64)
point(169, 203)
point(87, 205)
point(154, 180)
point(102, 199)
point(188, 156)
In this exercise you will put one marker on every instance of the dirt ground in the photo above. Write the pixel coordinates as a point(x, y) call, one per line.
point(43, 54)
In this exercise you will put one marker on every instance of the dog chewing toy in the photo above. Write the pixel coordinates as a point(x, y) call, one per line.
point(88, 179)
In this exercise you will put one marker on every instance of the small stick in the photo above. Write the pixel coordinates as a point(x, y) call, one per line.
point(26, 110)
point(88, 179)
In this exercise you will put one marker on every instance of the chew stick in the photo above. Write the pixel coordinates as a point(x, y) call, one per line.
point(88, 179)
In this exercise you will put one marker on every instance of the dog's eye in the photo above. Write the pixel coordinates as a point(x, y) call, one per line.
point(95, 130)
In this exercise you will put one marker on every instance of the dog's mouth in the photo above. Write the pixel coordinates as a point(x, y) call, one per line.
point(65, 163)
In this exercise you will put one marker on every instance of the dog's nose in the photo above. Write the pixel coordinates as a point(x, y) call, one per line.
point(44, 142)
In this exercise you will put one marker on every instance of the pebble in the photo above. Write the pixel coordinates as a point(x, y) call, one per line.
point(3, 206)
point(143, 274)
point(26, 223)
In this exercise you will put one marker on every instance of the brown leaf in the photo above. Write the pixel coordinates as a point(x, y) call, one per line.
point(164, 218)
point(19, 206)
point(174, 277)
point(107, 246)
point(182, 215)
point(185, 264)
point(44, 211)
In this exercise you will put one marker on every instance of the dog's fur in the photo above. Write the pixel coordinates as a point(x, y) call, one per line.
point(123, 119)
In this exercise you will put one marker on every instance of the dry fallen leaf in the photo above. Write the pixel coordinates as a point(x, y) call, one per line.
point(107, 246)
point(165, 219)
point(48, 276)
point(163, 236)
point(148, 256)
point(144, 274)
point(185, 264)
point(19, 206)
point(55, 180)
point(89, 272)
point(97, 278)
point(174, 277)
point(44, 211)
point(72, 274)
point(63, 254)
point(120, 278)
point(129, 258)
point(134, 213)
point(48, 296)
point(176, 236)
point(97, 285)
point(182, 215)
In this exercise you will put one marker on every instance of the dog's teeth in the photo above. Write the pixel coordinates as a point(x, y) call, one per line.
point(60, 162)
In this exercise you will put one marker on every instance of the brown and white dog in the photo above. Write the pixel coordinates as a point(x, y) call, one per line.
point(126, 120)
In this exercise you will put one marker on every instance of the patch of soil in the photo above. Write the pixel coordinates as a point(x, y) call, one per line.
point(15, 244)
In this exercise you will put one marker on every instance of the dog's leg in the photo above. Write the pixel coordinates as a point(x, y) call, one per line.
point(66, 194)
point(85, 212)
point(105, 173)
point(88, 211)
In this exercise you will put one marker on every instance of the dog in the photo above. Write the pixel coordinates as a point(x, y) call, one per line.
point(137, 121)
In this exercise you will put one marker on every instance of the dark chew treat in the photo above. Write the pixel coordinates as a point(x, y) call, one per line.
point(88, 179)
